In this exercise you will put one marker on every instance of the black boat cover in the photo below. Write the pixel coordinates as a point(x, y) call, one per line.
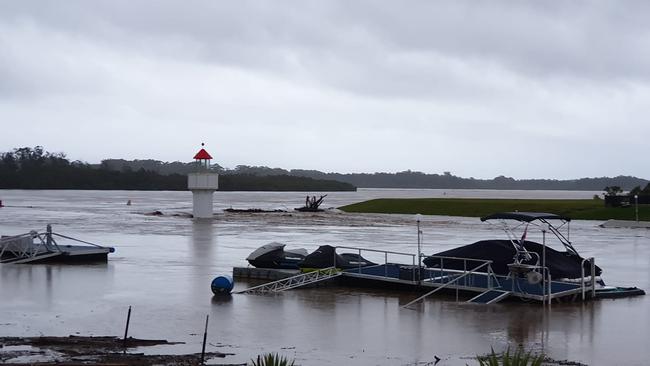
point(501, 253)
point(325, 257)
point(273, 255)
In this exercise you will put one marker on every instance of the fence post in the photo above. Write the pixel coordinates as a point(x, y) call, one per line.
point(359, 260)
point(205, 337)
point(126, 330)
point(386, 264)
point(592, 260)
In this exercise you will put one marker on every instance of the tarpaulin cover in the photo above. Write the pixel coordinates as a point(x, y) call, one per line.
point(501, 253)
point(324, 257)
point(273, 255)
point(524, 216)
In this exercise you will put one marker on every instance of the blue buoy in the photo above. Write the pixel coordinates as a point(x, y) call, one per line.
point(222, 285)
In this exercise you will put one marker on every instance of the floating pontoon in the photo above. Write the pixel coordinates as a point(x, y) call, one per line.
point(519, 268)
point(34, 247)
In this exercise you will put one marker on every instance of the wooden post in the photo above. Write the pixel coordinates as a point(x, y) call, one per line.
point(205, 337)
point(126, 331)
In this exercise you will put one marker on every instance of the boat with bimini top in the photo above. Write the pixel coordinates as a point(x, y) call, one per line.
point(518, 257)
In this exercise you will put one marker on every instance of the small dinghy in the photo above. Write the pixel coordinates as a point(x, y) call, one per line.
point(273, 255)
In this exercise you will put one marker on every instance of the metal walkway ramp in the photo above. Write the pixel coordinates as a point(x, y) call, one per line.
point(296, 281)
point(490, 297)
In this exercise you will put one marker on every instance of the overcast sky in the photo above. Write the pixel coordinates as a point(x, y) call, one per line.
point(539, 89)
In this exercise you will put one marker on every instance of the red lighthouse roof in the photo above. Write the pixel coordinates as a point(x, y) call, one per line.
point(202, 155)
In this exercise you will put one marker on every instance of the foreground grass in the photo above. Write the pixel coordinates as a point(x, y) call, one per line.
point(270, 359)
point(576, 209)
point(518, 358)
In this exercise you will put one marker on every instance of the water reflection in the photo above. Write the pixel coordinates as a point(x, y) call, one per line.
point(203, 248)
point(221, 299)
point(202, 242)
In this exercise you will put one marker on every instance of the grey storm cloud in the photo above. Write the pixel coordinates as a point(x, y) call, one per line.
point(528, 89)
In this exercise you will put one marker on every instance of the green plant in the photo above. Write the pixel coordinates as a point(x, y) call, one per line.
point(519, 358)
point(270, 359)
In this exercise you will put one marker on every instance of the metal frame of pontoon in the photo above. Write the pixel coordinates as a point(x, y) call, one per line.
point(41, 245)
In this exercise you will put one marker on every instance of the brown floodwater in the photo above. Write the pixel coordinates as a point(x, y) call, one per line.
point(163, 267)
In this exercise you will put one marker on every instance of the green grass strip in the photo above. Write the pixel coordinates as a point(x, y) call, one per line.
point(589, 209)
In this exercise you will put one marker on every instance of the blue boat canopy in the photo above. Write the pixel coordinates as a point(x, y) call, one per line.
point(524, 216)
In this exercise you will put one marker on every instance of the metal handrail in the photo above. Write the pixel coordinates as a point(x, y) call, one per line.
point(592, 268)
point(29, 251)
point(9, 239)
point(15, 237)
point(375, 250)
point(593, 277)
point(471, 271)
point(459, 258)
point(385, 252)
point(465, 260)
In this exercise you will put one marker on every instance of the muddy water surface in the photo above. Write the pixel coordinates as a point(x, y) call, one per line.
point(163, 267)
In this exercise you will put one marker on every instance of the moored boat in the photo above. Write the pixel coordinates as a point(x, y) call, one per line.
point(325, 256)
point(517, 254)
point(273, 255)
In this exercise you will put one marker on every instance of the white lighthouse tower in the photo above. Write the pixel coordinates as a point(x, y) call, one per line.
point(202, 183)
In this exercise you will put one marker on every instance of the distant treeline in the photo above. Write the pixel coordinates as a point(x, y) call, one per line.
point(34, 168)
point(406, 179)
point(411, 179)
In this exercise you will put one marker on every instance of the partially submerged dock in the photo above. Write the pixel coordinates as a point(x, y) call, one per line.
point(488, 271)
point(35, 247)
point(478, 280)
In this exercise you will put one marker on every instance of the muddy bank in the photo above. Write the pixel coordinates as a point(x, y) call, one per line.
point(101, 350)
point(114, 351)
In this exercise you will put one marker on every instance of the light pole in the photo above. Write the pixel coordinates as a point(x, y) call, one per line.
point(418, 218)
point(636, 206)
